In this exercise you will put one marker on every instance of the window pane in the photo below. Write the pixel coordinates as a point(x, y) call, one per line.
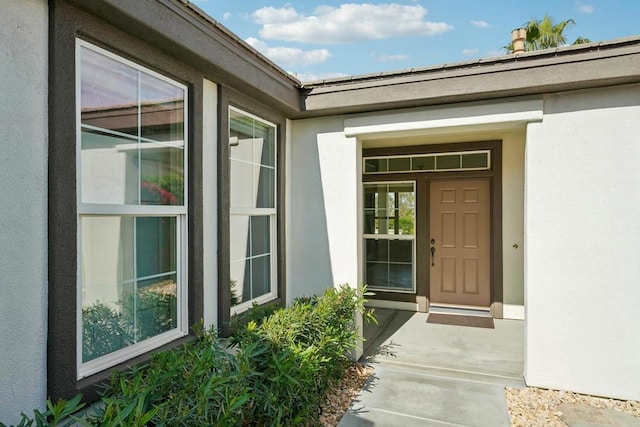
point(240, 281)
point(154, 307)
point(369, 221)
point(260, 235)
point(401, 276)
point(162, 175)
point(109, 93)
point(239, 233)
point(399, 164)
point(155, 245)
point(265, 197)
point(161, 110)
point(264, 144)
point(377, 250)
point(401, 251)
point(375, 165)
point(109, 169)
point(121, 304)
point(477, 160)
point(251, 258)
point(377, 274)
point(423, 163)
point(260, 276)
point(448, 162)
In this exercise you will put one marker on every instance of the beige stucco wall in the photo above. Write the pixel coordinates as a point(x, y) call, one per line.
point(582, 246)
point(23, 211)
point(513, 219)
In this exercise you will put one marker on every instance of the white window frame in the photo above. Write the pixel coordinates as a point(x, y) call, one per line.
point(412, 237)
point(272, 213)
point(180, 213)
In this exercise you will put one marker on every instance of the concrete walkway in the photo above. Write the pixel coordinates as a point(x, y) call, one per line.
point(437, 375)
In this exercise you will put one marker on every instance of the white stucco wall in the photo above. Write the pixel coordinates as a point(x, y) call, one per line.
point(323, 214)
point(23, 211)
point(513, 223)
point(582, 247)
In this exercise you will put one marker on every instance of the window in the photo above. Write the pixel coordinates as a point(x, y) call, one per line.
point(132, 208)
point(253, 210)
point(440, 162)
point(389, 234)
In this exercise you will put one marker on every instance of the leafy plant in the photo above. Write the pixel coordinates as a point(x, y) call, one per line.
point(275, 371)
point(57, 414)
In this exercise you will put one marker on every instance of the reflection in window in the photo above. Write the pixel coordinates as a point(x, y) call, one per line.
point(132, 208)
point(389, 209)
point(389, 232)
point(252, 158)
point(132, 134)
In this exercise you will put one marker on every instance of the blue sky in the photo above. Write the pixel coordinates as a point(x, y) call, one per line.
point(323, 39)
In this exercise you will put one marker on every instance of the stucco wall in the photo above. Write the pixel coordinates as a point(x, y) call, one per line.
point(582, 228)
point(23, 211)
point(513, 221)
point(322, 214)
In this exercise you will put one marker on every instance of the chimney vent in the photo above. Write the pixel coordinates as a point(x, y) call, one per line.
point(518, 36)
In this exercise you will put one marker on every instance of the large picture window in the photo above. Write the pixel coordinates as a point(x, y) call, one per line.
point(252, 157)
point(389, 236)
point(132, 209)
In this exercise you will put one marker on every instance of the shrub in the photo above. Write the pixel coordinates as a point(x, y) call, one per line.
point(276, 372)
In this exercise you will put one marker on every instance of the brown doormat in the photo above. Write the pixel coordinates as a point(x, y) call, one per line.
point(457, 320)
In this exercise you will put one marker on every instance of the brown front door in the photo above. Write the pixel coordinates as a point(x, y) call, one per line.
point(459, 242)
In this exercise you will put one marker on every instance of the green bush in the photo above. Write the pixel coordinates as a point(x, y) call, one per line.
point(276, 373)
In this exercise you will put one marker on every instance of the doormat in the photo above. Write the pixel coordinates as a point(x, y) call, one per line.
point(457, 320)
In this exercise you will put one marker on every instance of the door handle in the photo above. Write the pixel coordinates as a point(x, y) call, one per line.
point(433, 254)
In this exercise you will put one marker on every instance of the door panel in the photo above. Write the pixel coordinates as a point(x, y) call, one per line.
point(460, 234)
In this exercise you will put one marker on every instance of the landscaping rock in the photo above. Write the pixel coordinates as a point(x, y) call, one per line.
point(540, 407)
point(339, 398)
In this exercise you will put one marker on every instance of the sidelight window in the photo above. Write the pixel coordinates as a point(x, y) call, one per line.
point(389, 236)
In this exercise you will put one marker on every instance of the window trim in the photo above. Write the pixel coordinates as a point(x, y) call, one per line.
point(412, 237)
point(272, 213)
point(181, 213)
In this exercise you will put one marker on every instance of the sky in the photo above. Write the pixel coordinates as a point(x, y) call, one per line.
point(316, 40)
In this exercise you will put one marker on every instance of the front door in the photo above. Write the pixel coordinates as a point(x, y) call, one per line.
point(459, 242)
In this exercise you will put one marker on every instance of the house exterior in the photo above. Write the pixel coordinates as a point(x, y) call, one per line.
point(161, 171)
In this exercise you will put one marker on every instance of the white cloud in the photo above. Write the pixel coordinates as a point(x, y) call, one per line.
point(226, 16)
point(586, 8)
point(480, 24)
point(470, 52)
point(385, 57)
point(288, 56)
point(347, 23)
point(310, 77)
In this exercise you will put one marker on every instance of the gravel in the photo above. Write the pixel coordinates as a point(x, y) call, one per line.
point(339, 398)
point(540, 407)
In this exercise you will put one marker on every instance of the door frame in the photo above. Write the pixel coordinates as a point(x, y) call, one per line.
point(422, 179)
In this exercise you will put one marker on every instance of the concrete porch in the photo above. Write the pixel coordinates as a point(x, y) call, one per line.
point(437, 375)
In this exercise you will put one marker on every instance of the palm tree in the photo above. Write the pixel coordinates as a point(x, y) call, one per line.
point(544, 33)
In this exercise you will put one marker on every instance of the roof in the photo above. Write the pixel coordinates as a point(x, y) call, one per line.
point(241, 43)
point(591, 65)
